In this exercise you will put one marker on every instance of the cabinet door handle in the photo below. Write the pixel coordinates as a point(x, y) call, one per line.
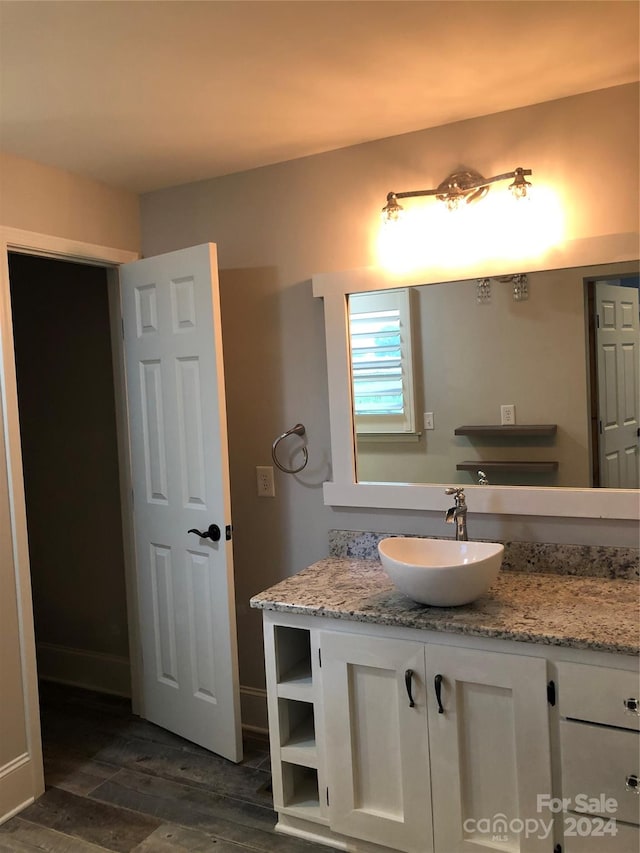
point(632, 783)
point(438, 685)
point(408, 675)
point(632, 705)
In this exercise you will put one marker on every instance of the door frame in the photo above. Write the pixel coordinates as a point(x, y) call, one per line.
point(592, 372)
point(62, 249)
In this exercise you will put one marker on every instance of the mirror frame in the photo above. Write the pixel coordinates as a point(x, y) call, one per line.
point(345, 491)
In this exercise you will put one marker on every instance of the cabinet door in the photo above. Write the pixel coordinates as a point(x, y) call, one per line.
point(489, 750)
point(376, 742)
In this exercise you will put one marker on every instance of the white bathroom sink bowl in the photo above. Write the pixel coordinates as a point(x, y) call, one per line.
point(441, 572)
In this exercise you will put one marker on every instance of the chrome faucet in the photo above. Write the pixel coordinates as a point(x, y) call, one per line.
point(458, 513)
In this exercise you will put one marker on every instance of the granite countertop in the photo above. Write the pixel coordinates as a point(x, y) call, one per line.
point(559, 610)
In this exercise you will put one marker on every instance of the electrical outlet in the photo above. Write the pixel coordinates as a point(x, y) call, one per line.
point(428, 420)
point(508, 414)
point(266, 485)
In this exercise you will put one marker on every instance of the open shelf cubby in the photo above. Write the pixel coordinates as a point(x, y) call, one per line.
point(297, 732)
point(300, 789)
point(293, 662)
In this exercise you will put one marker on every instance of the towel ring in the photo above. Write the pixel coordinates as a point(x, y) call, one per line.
point(298, 429)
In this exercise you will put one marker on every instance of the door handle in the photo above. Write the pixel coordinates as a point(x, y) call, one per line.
point(438, 685)
point(408, 675)
point(212, 532)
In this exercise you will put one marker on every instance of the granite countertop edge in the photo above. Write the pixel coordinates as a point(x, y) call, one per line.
point(575, 612)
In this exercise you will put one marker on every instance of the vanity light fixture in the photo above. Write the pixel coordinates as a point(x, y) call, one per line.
point(518, 281)
point(483, 290)
point(520, 287)
point(460, 188)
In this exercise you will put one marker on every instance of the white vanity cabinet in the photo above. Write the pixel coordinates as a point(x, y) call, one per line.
point(600, 758)
point(374, 696)
point(454, 730)
point(292, 670)
point(367, 763)
point(489, 749)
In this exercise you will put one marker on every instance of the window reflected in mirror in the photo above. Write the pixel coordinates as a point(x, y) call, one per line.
point(533, 387)
point(382, 362)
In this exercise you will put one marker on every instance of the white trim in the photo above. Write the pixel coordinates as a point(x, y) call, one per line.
point(12, 239)
point(318, 834)
point(64, 249)
point(19, 785)
point(494, 500)
point(584, 252)
point(14, 764)
point(507, 500)
point(126, 491)
point(389, 437)
point(5, 817)
point(81, 668)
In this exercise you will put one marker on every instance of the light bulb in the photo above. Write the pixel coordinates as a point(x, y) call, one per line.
point(520, 188)
point(392, 211)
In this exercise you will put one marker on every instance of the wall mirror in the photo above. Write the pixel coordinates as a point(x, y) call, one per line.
point(474, 348)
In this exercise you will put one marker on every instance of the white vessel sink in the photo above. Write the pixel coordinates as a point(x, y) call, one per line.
point(441, 572)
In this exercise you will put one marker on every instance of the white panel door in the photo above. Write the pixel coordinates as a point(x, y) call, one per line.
point(490, 754)
point(178, 434)
point(376, 741)
point(618, 365)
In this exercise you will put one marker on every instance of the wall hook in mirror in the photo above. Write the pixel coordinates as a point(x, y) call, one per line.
point(298, 429)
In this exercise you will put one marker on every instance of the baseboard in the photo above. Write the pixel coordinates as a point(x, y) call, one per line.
point(253, 710)
point(16, 810)
point(312, 832)
point(80, 668)
point(112, 674)
point(19, 785)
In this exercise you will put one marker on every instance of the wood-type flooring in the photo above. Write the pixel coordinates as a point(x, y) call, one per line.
point(119, 784)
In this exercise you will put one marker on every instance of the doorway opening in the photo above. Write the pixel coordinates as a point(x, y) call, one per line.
point(66, 403)
point(191, 270)
point(614, 365)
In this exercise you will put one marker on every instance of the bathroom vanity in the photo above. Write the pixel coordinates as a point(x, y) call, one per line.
point(507, 724)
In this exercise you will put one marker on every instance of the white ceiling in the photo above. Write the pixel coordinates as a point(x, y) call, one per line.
point(149, 94)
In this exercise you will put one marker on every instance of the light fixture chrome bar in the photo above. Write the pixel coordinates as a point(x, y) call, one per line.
point(518, 281)
point(465, 186)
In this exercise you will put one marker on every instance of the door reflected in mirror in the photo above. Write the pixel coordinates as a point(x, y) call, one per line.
point(531, 383)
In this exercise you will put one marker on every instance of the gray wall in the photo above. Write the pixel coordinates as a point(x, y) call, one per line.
point(278, 225)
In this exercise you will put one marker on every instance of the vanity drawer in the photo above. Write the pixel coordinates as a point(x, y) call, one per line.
point(597, 761)
point(626, 840)
point(599, 695)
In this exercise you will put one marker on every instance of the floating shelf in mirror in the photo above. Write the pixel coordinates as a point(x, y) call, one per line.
point(532, 430)
point(507, 465)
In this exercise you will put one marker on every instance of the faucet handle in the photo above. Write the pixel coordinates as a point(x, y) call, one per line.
point(458, 491)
